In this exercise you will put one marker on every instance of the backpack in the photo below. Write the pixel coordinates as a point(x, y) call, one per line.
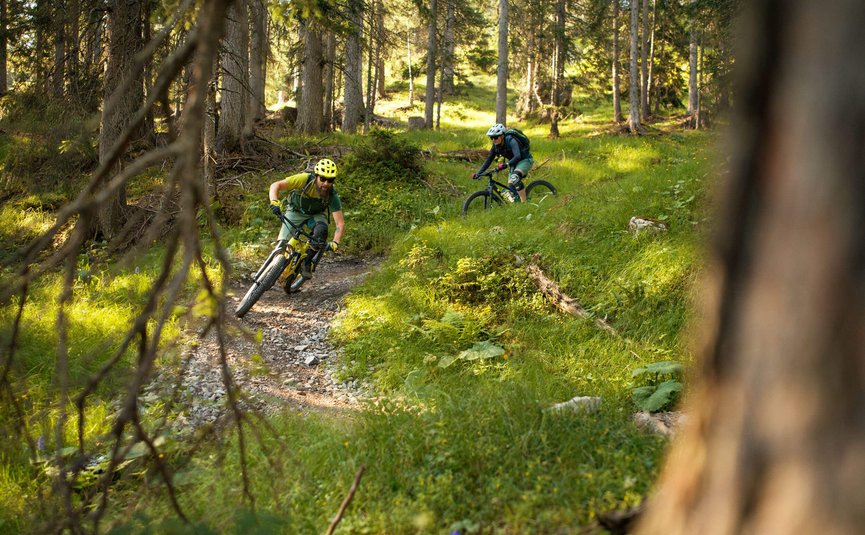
point(294, 196)
point(522, 139)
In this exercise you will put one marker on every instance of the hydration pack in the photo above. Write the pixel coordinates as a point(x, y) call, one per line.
point(522, 139)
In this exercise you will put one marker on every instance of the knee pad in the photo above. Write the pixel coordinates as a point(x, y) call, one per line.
point(515, 179)
point(319, 235)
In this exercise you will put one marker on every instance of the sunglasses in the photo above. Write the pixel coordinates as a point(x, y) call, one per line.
point(328, 180)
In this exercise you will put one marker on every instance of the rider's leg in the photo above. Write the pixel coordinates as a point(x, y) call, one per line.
point(521, 170)
point(319, 239)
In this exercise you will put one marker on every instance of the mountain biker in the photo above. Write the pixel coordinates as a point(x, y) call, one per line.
point(311, 198)
point(519, 159)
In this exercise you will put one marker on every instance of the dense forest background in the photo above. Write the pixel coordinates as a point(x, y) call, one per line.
point(137, 140)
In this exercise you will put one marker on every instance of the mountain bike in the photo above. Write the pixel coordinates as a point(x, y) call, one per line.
point(497, 194)
point(286, 256)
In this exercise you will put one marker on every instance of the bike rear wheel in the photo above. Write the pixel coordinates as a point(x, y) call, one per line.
point(264, 283)
point(539, 190)
point(480, 200)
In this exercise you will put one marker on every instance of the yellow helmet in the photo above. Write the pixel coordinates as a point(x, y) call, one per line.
point(325, 168)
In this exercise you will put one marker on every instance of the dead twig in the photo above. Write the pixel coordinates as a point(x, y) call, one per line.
point(347, 500)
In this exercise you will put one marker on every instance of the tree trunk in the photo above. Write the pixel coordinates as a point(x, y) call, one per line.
point(310, 111)
point(644, 63)
point(379, 61)
point(367, 115)
point(617, 96)
point(558, 69)
point(693, 90)
point(258, 45)
point(234, 99)
point(329, 76)
point(429, 103)
point(651, 56)
point(531, 60)
point(775, 441)
point(73, 47)
point(448, 49)
point(633, 88)
point(502, 70)
point(124, 41)
point(209, 131)
point(58, 73)
point(410, 74)
point(353, 69)
point(4, 55)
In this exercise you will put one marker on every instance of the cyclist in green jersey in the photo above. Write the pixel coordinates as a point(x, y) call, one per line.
point(311, 198)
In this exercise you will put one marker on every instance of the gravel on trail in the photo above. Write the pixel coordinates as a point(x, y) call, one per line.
point(293, 366)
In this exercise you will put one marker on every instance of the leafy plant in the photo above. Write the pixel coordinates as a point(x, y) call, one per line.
point(657, 386)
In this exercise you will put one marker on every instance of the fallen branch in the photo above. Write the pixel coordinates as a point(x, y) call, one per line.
point(563, 302)
point(347, 500)
point(468, 155)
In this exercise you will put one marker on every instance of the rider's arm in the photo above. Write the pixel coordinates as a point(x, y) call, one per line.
point(287, 184)
point(275, 189)
point(339, 221)
point(489, 160)
point(515, 150)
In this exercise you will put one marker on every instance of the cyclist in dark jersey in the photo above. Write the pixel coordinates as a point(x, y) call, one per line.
point(311, 197)
point(519, 159)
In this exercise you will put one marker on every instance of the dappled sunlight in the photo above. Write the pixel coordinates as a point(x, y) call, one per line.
point(19, 226)
point(629, 159)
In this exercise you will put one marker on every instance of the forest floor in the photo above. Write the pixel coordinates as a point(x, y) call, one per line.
point(279, 354)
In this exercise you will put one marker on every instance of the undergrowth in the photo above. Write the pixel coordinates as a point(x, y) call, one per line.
point(467, 354)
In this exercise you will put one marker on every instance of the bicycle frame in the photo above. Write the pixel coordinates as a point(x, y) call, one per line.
point(494, 186)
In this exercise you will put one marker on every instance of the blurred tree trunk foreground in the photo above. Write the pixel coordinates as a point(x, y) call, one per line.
point(776, 436)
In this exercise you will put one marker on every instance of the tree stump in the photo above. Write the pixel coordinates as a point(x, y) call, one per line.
point(416, 123)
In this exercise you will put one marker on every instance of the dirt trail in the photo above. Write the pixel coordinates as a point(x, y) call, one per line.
point(291, 367)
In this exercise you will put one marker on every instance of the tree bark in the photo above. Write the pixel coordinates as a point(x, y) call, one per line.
point(651, 70)
point(617, 96)
point(531, 60)
point(353, 98)
point(124, 41)
point(58, 73)
point(429, 103)
point(258, 49)
point(502, 69)
point(4, 55)
point(634, 88)
point(410, 74)
point(310, 112)
point(448, 49)
point(775, 440)
point(558, 68)
point(644, 63)
point(234, 58)
point(329, 79)
point(693, 90)
point(379, 61)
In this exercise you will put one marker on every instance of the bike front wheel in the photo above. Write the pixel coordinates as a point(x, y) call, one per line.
point(480, 200)
point(539, 190)
point(261, 285)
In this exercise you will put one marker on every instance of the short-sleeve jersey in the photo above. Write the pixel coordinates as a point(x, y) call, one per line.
point(304, 198)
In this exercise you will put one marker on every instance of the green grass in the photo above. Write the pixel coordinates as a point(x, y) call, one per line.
point(466, 445)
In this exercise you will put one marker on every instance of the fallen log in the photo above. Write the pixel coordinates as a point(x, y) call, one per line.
point(468, 155)
point(563, 302)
